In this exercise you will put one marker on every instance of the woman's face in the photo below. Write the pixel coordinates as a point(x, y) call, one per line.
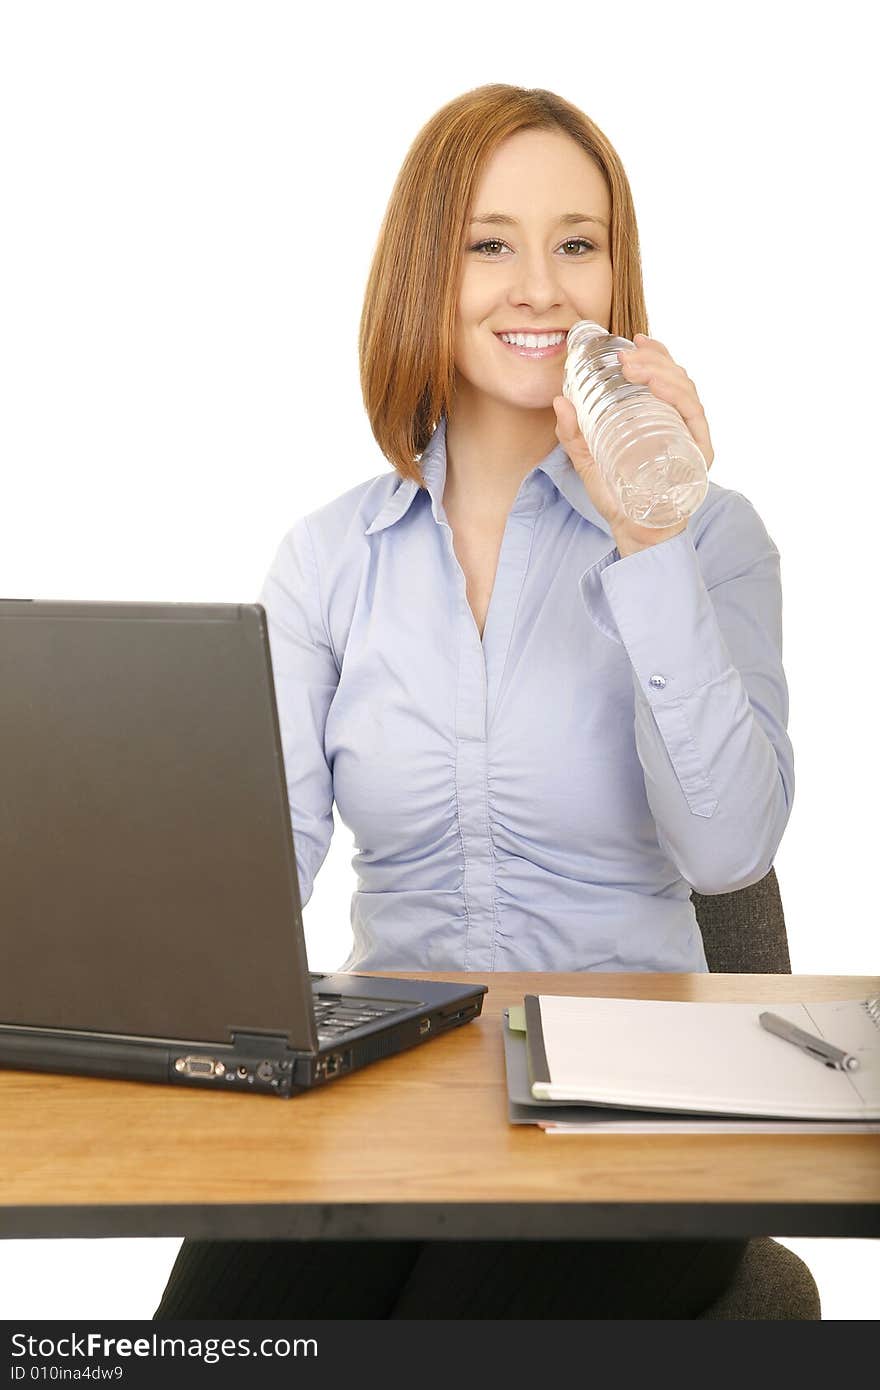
point(541, 271)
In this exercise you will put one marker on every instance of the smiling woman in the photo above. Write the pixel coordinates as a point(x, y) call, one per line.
point(543, 730)
point(496, 157)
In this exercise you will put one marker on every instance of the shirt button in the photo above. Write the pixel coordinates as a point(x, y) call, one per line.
point(658, 682)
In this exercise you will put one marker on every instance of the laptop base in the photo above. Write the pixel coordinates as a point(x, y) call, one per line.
point(252, 1061)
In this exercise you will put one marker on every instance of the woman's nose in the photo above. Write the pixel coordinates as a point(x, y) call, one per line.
point(533, 278)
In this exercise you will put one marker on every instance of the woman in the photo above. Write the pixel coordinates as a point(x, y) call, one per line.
point(544, 724)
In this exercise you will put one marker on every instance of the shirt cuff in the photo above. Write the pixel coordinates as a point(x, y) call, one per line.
point(656, 604)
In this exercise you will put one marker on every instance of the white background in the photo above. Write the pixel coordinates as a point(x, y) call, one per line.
point(193, 192)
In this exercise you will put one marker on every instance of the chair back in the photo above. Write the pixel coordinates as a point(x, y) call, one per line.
point(744, 932)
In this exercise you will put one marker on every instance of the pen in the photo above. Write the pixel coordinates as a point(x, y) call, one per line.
point(816, 1047)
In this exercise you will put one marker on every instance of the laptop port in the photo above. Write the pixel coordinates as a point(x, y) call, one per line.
point(198, 1066)
point(334, 1062)
point(454, 1016)
point(424, 1026)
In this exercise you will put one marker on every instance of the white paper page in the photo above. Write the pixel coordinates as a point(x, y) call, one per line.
point(712, 1057)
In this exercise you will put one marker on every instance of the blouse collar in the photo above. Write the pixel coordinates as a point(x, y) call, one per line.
point(556, 465)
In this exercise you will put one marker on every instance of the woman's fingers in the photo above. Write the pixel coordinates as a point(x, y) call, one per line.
point(651, 365)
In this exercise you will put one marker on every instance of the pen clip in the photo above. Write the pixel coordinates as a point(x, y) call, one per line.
point(822, 1056)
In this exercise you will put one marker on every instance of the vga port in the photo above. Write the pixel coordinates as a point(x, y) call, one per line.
point(199, 1066)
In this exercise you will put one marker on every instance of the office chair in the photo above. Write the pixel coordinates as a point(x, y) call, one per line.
point(744, 934)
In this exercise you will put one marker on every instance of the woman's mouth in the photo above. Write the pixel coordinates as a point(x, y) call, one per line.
point(554, 350)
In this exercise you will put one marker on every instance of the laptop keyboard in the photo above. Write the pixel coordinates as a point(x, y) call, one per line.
point(336, 1015)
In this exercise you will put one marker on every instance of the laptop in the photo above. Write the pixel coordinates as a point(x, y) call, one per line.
point(150, 916)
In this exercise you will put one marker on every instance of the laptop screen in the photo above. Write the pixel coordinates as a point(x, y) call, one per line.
point(147, 871)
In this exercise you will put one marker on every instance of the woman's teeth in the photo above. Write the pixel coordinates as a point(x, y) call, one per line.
point(532, 340)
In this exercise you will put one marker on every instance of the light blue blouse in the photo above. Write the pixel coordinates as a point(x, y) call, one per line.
point(546, 798)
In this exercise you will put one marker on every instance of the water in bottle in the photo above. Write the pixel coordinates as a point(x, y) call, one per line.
point(641, 445)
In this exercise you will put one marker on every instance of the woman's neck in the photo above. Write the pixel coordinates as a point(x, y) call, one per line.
point(489, 450)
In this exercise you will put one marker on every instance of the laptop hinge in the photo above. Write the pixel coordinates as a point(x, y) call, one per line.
point(260, 1040)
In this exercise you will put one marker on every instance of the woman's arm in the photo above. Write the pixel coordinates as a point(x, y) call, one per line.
point(306, 676)
point(700, 616)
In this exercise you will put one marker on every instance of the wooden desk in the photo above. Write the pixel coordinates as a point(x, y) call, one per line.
point(419, 1146)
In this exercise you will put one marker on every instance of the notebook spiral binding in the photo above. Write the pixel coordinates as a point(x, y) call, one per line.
point(872, 1008)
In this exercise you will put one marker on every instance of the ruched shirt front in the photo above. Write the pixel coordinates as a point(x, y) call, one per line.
point(544, 798)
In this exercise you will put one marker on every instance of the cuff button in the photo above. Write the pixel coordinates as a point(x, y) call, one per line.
point(657, 682)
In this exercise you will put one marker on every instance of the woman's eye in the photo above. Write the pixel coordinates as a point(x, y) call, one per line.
point(493, 241)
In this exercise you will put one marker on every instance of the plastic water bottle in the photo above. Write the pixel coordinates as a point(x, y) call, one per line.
point(641, 445)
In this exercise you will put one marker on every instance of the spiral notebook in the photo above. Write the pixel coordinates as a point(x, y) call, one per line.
point(564, 1117)
point(702, 1058)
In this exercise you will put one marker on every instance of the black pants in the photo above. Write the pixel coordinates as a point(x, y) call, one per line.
point(447, 1279)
